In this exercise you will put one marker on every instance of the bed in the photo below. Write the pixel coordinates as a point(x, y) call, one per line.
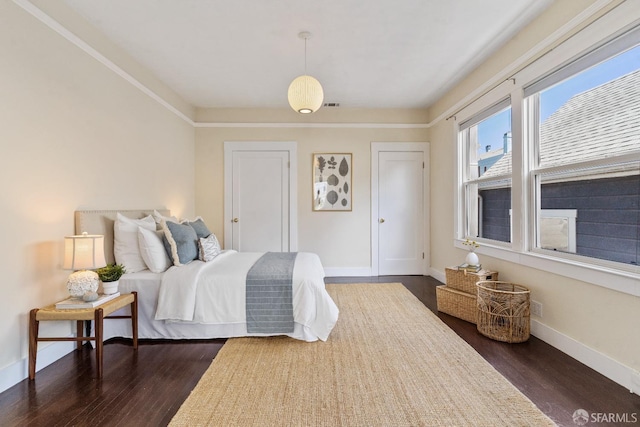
point(206, 300)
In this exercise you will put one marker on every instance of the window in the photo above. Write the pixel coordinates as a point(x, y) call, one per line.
point(585, 133)
point(566, 199)
point(486, 192)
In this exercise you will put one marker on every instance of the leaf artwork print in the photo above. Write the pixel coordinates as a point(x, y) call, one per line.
point(321, 164)
point(343, 170)
point(332, 162)
point(332, 192)
point(332, 197)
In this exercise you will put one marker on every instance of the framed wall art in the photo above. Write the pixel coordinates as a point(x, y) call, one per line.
point(332, 174)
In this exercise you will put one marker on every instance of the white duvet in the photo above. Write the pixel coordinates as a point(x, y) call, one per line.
point(213, 293)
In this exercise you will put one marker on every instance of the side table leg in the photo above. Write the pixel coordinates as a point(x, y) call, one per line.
point(79, 333)
point(33, 342)
point(99, 318)
point(134, 320)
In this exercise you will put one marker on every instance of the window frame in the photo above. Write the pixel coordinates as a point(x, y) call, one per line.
point(522, 250)
point(468, 183)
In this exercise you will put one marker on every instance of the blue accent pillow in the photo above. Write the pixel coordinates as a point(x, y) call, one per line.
point(181, 242)
point(199, 226)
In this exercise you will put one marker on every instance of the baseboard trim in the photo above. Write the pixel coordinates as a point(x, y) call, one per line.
point(610, 368)
point(18, 371)
point(347, 272)
point(437, 274)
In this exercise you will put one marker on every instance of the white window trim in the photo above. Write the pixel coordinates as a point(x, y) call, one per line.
point(467, 182)
point(613, 276)
point(607, 277)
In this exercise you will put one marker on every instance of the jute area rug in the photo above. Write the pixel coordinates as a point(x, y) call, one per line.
point(388, 362)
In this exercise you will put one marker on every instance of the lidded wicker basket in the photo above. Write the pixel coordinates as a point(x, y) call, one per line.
point(503, 311)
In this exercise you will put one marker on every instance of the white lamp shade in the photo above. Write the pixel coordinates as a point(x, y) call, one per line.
point(305, 94)
point(84, 252)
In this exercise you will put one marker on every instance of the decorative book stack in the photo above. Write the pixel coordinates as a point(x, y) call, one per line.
point(470, 268)
point(75, 303)
point(458, 296)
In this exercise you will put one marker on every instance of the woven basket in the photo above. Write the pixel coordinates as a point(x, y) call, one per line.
point(503, 311)
point(456, 303)
point(466, 281)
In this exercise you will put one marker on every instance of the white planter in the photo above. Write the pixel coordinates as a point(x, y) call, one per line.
point(109, 288)
point(472, 259)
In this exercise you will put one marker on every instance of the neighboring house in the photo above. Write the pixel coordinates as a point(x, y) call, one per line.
point(596, 214)
point(487, 159)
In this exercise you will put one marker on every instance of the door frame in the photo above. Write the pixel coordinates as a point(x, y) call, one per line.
point(291, 146)
point(376, 148)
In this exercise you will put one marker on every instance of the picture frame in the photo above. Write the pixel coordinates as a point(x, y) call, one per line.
point(332, 182)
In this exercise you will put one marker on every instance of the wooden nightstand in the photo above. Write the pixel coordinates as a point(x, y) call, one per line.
point(97, 314)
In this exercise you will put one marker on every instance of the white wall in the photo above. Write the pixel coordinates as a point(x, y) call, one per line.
point(341, 239)
point(596, 325)
point(73, 135)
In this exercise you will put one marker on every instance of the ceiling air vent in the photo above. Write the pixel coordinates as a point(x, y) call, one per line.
point(331, 104)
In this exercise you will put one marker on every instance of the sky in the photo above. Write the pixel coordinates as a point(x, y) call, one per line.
point(491, 130)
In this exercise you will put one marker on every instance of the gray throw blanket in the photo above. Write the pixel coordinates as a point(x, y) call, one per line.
point(269, 303)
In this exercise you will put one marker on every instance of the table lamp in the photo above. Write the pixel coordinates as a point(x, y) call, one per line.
point(83, 253)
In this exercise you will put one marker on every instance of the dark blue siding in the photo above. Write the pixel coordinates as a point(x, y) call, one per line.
point(608, 223)
point(496, 222)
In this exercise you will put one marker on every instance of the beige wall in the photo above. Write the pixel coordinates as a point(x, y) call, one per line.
point(73, 135)
point(342, 239)
point(597, 318)
point(60, 109)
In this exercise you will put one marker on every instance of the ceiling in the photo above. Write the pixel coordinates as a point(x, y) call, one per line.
point(366, 54)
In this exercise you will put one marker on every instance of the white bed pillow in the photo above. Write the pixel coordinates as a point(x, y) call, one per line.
point(158, 217)
point(125, 241)
point(152, 250)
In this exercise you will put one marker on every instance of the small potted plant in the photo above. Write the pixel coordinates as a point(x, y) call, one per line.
point(109, 276)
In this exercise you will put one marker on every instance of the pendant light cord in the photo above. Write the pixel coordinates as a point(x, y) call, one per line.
point(305, 56)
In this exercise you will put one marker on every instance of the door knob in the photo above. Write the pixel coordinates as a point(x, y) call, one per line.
point(381, 220)
point(235, 220)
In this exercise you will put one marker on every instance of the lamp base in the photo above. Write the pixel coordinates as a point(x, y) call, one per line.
point(81, 282)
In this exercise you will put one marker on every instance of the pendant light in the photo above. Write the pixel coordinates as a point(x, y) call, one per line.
point(305, 92)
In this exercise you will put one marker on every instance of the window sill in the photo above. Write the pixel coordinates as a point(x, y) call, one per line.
point(618, 280)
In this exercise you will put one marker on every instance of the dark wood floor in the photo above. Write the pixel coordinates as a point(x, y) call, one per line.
point(146, 388)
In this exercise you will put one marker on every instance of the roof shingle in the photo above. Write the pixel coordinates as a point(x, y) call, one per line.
point(598, 123)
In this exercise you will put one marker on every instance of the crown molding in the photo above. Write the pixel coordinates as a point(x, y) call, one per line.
point(307, 125)
point(71, 37)
point(541, 48)
point(56, 26)
point(519, 63)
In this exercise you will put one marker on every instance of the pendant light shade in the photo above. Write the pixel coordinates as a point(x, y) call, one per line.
point(305, 92)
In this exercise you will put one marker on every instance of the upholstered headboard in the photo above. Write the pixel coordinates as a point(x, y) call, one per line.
point(101, 222)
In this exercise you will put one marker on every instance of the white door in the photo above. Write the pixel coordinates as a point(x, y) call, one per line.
point(257, 199)
point(400, 213)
